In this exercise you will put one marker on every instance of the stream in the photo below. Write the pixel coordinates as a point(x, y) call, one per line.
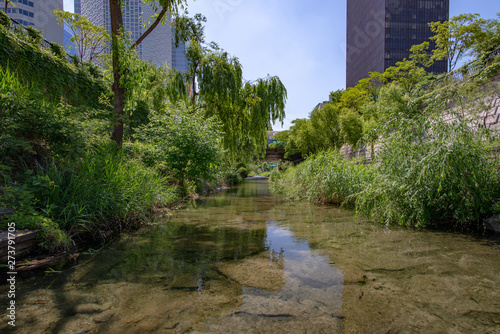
point(246, 261)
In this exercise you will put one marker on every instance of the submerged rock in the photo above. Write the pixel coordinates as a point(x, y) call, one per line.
point(493, 223)
point(257, 272)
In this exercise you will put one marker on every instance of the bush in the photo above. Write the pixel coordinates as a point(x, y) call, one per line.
point(323, 178)
point(31, 128)
point(432, 173)
point(180, 143)
point(243, 172)
point(5, 20)
point(34, 34)
point(232, 177)
point(52, 75)
point(26, 217)
point(276, 144)
point(58, 50)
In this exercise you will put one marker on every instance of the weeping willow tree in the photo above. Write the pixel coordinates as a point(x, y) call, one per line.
point(246, 109)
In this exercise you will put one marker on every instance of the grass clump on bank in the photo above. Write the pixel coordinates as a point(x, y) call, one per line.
point(102, 191)
point(325, 177)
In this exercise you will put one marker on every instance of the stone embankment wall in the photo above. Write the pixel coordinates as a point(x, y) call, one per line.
point(490, 117)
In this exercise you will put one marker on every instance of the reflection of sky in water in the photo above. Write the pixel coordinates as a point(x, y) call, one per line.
point(310, 279)
point(298, 257)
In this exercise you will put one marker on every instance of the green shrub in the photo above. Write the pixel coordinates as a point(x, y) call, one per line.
point(432, 173)
point(232, 177)
point(276, 145)
point(184, 145)
point(243, 171)
point(496, 208)
point(34, 34)
point(325, 177)
point(31, 128)
point(5, 20)
point(58, 50)
point(54, 76)
point(284, 165)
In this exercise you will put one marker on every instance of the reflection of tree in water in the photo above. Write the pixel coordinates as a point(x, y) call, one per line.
point(278, 257)
point(253, 188)
point(250, 188)
point(188, 252)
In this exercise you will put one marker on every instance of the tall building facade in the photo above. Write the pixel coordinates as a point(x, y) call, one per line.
point(68, 44)
point(78, 7)
point(381, 32)
point(179, 60)
point(38, 14)
point(157, 47)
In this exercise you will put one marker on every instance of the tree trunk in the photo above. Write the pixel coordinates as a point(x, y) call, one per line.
point(115, 9)
point(117, 31)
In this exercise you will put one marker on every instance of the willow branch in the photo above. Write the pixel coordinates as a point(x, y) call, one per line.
point(155, 23)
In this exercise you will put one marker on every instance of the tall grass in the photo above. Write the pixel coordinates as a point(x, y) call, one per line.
point(433, 173)
point(103, 190)
point(325, 177)
point(10, 84)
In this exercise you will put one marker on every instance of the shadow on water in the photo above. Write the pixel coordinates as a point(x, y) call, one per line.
point(245, 261)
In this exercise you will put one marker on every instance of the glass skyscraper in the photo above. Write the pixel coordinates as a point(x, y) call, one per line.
point(381, 33)
point(78, 6)
point(157, 47)
point(38, 14)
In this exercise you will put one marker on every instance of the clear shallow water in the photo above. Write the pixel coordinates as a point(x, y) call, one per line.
point(245, 261)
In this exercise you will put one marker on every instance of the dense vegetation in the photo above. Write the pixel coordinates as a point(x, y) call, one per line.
point(431, 158)
point(60, 170)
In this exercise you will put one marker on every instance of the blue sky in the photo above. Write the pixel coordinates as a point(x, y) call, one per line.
point(301, 42)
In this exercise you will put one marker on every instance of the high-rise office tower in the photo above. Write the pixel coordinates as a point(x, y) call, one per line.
point(68, 44)
point(381, 33)
point(179, 60)
point(78, 7)
point(38, 14)
point(157, 47)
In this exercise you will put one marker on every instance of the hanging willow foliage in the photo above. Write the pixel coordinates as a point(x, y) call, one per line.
point(246, 110)
point(265, 104)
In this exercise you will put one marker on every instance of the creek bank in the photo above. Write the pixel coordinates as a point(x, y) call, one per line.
point(30, 257)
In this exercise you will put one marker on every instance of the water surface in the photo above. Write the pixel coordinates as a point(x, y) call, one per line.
point(245, 261)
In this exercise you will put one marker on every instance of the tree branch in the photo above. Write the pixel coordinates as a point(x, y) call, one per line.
point(155, 23)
